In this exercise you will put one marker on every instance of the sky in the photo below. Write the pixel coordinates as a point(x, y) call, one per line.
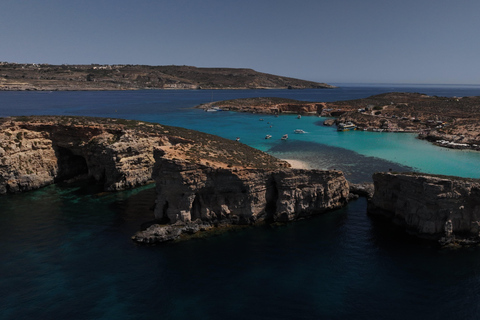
point(334, 41)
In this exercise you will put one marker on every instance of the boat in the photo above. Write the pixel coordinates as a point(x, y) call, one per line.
point(268, 136)
point(298, 131)
point(346, 126)
point(237, 139)
point(299, 117)
point(285, 137)
point(213, 109)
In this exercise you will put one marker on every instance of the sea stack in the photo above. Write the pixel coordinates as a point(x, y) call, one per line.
point(431, 206)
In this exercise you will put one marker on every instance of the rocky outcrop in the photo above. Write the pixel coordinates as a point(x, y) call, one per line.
point(189, 192)
point(202, 181)
point(266, 105)
point(38, 151)
point(429, 205)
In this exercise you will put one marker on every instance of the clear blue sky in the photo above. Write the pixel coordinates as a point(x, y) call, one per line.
point(334, 41)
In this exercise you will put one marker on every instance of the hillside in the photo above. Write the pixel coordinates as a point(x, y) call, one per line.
point(15, 76)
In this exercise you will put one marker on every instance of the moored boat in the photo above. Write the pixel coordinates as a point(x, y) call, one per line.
point(346, 126)
point(298, 131)
point(285, 137)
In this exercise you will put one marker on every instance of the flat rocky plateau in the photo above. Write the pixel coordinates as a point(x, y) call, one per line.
point(48, 77)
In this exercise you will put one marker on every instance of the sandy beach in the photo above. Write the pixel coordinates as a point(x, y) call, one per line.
point(297, 164)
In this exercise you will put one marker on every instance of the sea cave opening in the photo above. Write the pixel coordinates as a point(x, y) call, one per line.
point(70, 166)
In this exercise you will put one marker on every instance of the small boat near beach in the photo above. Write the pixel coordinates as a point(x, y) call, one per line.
point(299, 117)
point(298, 131)
point(268, 136)
point(285, 137)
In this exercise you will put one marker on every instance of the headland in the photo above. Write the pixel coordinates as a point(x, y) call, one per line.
point(451, 122)
point(202, 181)
point(46, 77)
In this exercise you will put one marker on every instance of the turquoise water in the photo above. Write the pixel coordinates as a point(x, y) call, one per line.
point(65, 250)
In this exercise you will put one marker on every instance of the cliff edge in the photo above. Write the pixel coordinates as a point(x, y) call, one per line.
point(432, 206)
point(40, 150)
point(202, 181)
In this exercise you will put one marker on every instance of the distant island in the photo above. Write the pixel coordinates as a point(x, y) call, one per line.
point(451, 122)
point(47, 77)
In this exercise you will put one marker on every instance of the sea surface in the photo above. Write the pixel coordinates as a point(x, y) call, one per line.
point(66, 253)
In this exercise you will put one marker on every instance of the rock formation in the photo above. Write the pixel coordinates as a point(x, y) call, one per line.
point(206, 196)
point(266, 105)
point(429, 205)
point(37, 151)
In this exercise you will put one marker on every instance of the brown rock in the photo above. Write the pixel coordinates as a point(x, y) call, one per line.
point(428, 205)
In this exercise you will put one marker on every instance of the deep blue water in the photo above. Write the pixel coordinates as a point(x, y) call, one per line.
point(65, 250)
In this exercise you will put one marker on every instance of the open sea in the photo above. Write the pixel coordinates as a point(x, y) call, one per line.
point(66, 252)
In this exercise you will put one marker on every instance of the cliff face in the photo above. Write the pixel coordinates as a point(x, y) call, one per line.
point(188, 192)
point(432, 206)
point(37, 153)
point(202, 181)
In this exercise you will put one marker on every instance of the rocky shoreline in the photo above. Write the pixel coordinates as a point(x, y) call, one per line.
point(446, 122)
point(202, 181)
point(443, 208)
point(206, 184)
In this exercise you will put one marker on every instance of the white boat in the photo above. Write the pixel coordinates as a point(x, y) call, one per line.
point(268, 136)
point(299, 117)
point(213, 109)
point(298, 131)
point(285, 137)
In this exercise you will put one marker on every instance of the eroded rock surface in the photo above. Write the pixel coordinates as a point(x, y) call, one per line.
point(191, 192)
point(428, 205)
point(38, 151)
point(202, 181)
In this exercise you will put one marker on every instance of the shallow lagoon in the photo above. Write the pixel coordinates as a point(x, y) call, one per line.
point(66, 251)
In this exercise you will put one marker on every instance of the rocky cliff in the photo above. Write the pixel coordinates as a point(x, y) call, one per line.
point(202, 180)
point(429, 205)
point(38, 151)
point(191, 195)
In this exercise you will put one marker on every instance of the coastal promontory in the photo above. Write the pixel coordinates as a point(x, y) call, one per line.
point(202, 181)
point(15, 76)
point(451, 122)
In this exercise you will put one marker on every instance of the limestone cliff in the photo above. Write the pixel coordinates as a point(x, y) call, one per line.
point(429, 205)
point(201, 180)
point(37, 151)
point(205, 195)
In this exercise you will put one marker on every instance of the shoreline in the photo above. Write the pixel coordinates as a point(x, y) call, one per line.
point(297, 164)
